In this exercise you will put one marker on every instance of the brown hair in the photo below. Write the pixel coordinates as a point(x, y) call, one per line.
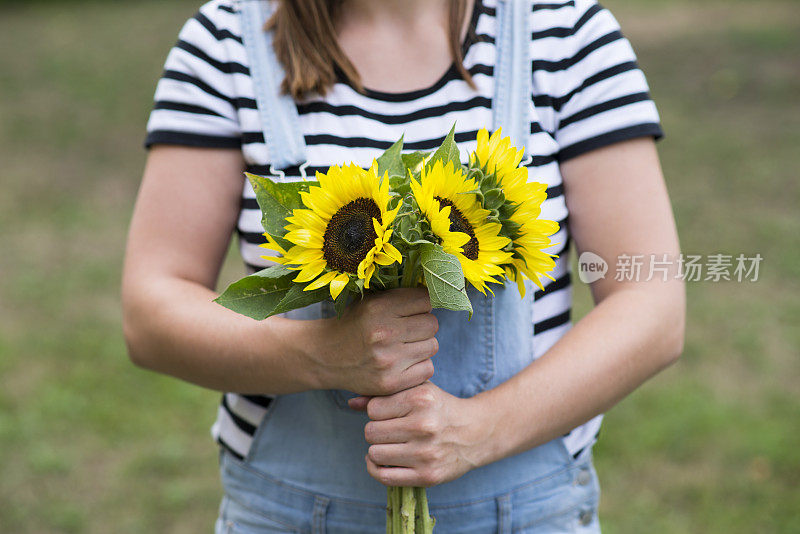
point(305, 43)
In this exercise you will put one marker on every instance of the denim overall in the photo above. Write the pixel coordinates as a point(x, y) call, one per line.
point(305, 471)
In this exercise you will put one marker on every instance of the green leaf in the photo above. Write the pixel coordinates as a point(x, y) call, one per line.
point(341, 303)
point(297, 297)
point(408, 230)
point(476, 174)
point(273, 216)
point(414, 160)
point(391, 161)
point(493, 199)
point(444, 279)
point(258, 295)
point(274, 271)
point(510, 228)
point(400, 185)
point(448, 151)
point(394, 201)
point(287, 194)
point(277, 200)
point(412, 241)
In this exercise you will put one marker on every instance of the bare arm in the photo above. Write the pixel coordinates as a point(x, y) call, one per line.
point(618, 204)
point(181, 227)
point(184, 216)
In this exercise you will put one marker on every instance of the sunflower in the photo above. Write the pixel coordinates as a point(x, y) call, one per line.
point(496, 155)
point(448, 201)
point(343, 232)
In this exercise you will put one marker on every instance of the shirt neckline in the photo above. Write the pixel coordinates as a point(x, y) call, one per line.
point(450, 74)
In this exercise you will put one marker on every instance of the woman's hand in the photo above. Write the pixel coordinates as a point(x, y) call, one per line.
point(381, 345)
point(422, 436)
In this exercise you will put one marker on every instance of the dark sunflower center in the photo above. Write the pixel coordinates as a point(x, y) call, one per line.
point(350, 235)
point(459, 223)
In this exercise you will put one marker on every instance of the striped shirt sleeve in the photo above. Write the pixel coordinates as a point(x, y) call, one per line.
point(195, 97)
point(606, 96)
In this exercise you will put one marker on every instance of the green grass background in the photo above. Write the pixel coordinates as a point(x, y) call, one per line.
point(88, 443)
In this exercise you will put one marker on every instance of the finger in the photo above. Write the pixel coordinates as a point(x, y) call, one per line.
point(419, 351)
point(389, 407)
point(417, 374)
point(392, 476)
point(358, 403)
point(409, 301)
point(388, 431)
point(392, 454)
point(418, 327)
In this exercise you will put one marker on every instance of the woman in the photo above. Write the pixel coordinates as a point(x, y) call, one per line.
point(502, 446)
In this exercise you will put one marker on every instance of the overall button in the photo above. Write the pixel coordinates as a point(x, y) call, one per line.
point(583, 477)
point(585, 517)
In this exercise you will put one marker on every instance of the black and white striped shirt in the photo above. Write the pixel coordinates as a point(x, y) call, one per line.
point(588, 93)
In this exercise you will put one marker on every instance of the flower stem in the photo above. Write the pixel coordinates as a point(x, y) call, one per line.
point(410, 269)
point(389, 510)
point(403, 512)
point(396, 511)
point(419, 521)
point(407, 511)
point(394, 277)
point(428, 522)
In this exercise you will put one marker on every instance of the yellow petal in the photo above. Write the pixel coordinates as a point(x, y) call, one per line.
point(377, 227)
point(368, 275)
point(338, 284)
point(459, 239)
point(383, 259)
point(319, 201)
point(310, 271)
point(389, 216)
point(390, 249)
point(307, 219)
point(521, 285)
point(366, 262)
point(272, 244)
point(305, 238)
point(302, 255)
point(276, 259)
point(321, 281)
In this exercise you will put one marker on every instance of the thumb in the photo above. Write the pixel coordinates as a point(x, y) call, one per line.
point(358, 403)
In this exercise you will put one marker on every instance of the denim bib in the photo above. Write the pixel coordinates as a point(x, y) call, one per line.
point(305, 471)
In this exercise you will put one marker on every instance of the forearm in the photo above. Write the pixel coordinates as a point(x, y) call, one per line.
point(173, 327)
point(627, 338)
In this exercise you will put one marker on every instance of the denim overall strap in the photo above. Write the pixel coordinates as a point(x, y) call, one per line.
point(279, 118)
point(513, 70)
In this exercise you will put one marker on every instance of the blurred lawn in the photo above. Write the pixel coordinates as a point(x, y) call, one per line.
point(90, 444)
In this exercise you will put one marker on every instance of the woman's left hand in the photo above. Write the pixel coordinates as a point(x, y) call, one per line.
point(422, 436)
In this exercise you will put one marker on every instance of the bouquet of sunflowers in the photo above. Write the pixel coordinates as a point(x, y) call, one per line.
point(411, 219)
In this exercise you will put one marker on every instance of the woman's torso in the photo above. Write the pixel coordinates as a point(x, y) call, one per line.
point(347, 126)
point(587, 92)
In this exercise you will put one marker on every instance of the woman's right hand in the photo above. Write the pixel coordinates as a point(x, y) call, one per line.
point(381, 345)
